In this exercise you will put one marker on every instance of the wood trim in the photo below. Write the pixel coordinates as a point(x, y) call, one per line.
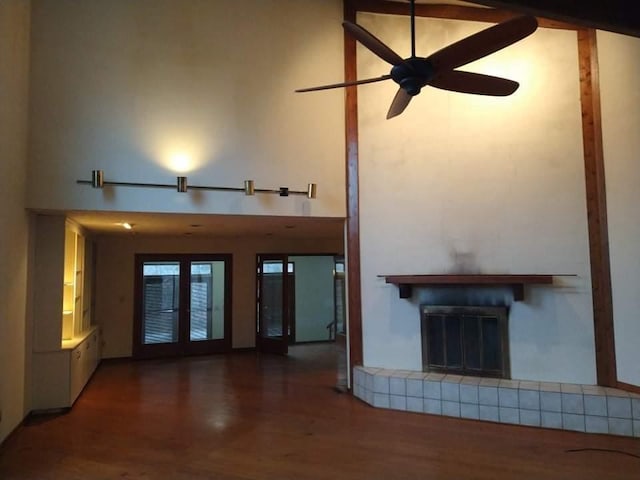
point(621, 16)
point(451, 12)
point(464, 279)
point(596, 208)
point(629, 387)
point(354, 303)
point(515, 282)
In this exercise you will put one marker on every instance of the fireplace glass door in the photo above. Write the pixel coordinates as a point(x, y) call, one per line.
point(465, 340)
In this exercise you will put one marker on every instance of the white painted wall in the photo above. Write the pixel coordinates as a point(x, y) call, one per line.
point(619, 58)
point(115, 277)
point(463, 183)
point(14, 238)
point(314, 297)
point(125, 86)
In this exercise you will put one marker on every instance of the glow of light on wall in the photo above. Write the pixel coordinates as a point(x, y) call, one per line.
point(180, 157)
point(180, 162)
point(180, 152)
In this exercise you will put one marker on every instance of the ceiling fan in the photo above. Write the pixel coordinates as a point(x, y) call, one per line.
point(438, 69)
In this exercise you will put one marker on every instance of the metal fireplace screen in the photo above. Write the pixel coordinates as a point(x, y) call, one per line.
point(465, 340)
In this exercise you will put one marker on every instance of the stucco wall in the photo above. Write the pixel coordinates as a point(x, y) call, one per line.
point(314, 297)
point(149, 90)
point(619, 58)
point(471, 184)
point(14, 62)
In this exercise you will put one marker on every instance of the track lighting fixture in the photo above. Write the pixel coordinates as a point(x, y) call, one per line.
point(182, 186)
point(97, 178)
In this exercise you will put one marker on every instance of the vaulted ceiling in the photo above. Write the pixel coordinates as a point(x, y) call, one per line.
point(622, 16)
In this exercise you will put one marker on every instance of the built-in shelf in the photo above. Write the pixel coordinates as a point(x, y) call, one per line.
point(71, 343)
point(67, 312)
point(516, 283)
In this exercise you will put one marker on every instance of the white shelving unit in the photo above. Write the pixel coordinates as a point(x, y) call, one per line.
point(66, 345)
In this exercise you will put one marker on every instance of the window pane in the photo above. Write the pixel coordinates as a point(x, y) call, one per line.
point(160, 299)
point(271, 298)
point(207, 300)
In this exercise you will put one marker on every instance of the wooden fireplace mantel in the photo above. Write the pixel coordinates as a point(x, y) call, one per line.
point(516, 283)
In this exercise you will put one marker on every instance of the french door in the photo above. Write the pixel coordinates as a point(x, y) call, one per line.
point(275, 275)
point(182, 305)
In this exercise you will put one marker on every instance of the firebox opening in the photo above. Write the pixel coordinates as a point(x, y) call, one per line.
point(467, 340)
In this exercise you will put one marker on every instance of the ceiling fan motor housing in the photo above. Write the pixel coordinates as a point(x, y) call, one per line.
point(413, 74)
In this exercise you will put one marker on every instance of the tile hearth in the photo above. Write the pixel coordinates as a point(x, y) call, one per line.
point(583, 408)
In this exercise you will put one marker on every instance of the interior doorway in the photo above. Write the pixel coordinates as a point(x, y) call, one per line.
point(182, 305)
point(300, 300)
point(275, 294)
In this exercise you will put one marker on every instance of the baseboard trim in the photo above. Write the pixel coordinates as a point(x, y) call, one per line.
point(629, 387)
point(45, 412)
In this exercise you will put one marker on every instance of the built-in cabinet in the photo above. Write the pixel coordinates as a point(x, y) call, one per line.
point(66, 345)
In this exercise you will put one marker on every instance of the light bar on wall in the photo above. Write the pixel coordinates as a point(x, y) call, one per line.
point(181, 185)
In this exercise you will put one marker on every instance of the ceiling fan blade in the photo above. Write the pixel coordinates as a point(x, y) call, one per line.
point(484, 43)
point(345, 84)
point(400, 102)
point(373, 43)
point(477, 83)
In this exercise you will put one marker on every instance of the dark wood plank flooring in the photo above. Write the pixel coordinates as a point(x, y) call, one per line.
point(245, 416)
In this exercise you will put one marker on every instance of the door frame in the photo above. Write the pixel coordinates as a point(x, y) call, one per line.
point(291, 318)
point(184, 346)
point(268, 344)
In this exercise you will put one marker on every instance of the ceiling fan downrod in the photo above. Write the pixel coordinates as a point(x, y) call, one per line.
point(413, 28)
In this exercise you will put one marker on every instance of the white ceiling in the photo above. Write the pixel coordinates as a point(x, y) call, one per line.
point(208, 225)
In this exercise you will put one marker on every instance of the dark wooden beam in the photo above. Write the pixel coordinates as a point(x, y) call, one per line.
point(449, 12)
point(353, 213)
point(629, 387)
point(621, 16)
point(596, 208)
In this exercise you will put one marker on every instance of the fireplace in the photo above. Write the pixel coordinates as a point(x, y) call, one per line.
point(465, 340)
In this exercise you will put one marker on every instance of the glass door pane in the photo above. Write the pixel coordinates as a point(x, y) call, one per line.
point(207, 295)
point(160, 302)
point(271, 297)
point(273, 309)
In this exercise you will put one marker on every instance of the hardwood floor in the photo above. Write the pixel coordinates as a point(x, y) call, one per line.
point(244, 416)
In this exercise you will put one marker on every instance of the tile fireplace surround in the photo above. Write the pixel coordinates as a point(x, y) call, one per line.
point(583, 408)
